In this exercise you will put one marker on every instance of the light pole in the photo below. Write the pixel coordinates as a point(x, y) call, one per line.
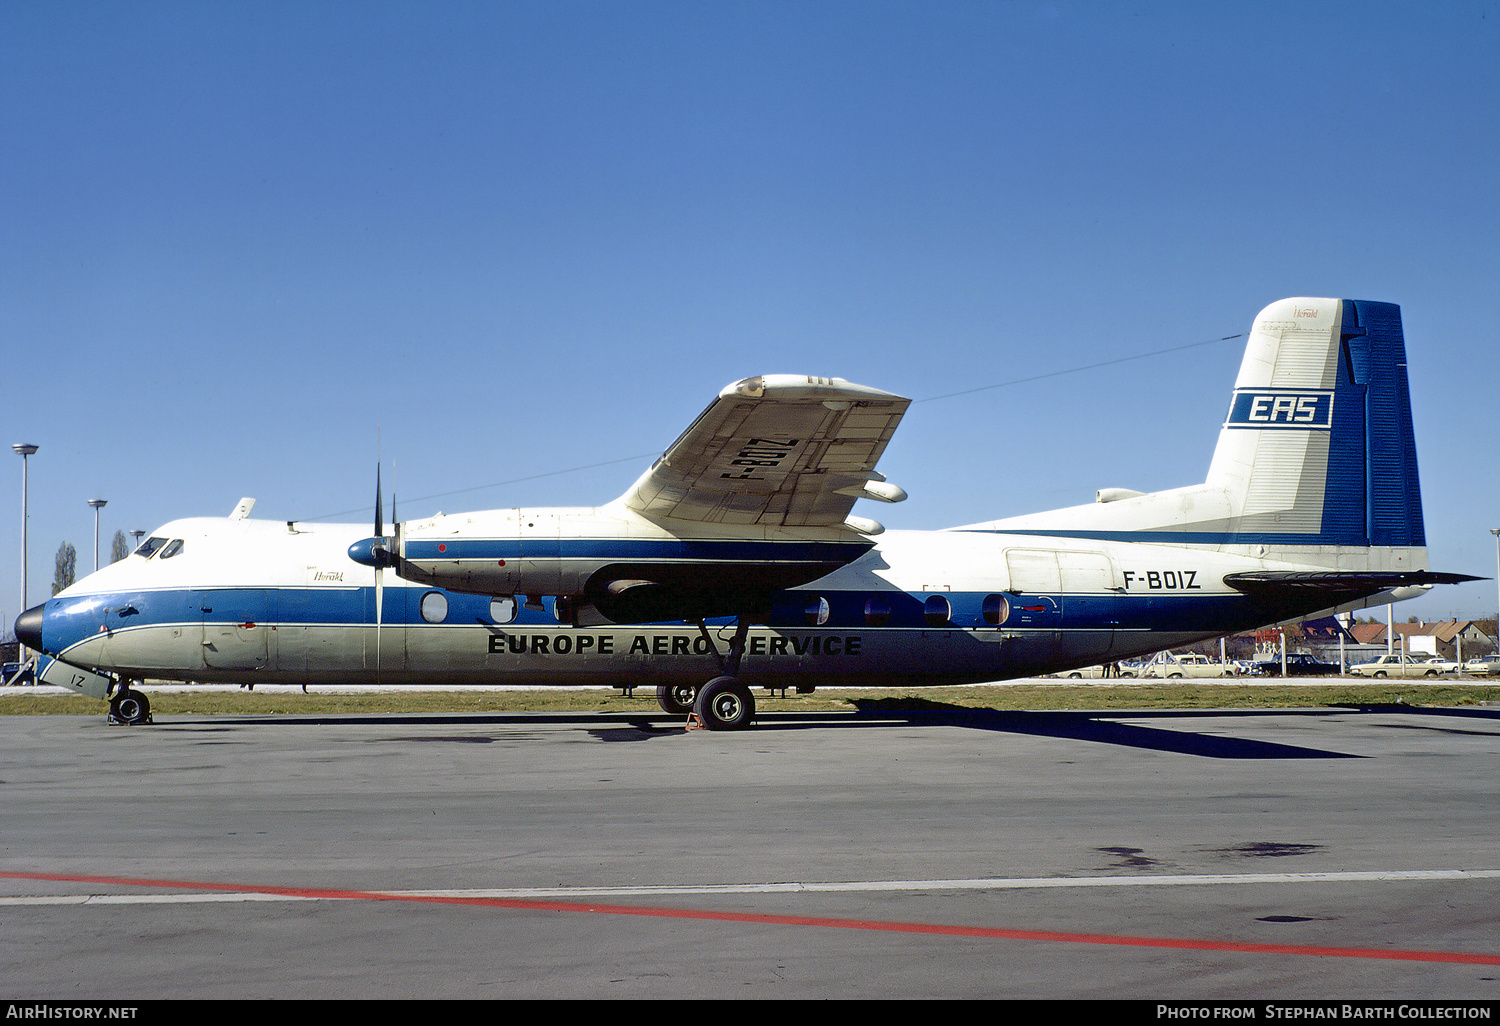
point(25, 451)
point(98, 504)
point(1496, 532)
point(137, 536)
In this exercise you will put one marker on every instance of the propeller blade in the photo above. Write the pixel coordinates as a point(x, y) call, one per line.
point(379, 518)
point(379, 568)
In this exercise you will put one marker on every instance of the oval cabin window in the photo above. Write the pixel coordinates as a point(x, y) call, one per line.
point(936, 611)
point(996, 610)
point(434, 607)
point(503, 608)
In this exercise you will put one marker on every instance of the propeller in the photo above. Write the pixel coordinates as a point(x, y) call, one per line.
point(378, 552)
point(379, 569)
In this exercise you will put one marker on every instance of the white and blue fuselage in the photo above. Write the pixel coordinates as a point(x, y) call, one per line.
point(1311, 504)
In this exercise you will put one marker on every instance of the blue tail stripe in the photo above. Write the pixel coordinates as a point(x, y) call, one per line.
point(1378, 354)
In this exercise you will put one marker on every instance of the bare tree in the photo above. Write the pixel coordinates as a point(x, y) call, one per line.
point(119, 548)
point(67, 567)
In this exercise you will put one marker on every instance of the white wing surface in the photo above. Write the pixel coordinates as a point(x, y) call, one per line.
point(779, 450)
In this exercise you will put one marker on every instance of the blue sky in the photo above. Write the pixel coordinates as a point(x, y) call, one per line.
point(242, 242)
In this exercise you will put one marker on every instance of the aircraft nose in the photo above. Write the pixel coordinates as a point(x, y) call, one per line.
point(29, 628)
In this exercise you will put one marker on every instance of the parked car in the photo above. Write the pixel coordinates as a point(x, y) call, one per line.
point(1396, 666)
point(1190, 664)
point(10, 670)
point(1298, 664)
point(1483, 666)
point(1097, 671)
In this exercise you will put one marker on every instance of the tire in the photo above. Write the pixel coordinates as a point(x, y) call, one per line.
point(676, 699)
point(725, 704)
point(1379, 673)
point(131, 708)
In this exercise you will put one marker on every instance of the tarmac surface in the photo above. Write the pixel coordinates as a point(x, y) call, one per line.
point(1338, 854)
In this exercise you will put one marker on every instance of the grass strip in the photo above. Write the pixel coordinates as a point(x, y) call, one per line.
point(1030, 696)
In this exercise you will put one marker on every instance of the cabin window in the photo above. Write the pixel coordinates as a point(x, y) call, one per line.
point(171, 549)
point(877, 611)
point(434, 607)
point(562, 608)
point(503, 608)
point(996, 610)
point(149, 546)
point(816, 613)
point(936, 611)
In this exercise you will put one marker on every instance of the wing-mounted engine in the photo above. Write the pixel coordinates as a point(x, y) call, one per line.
point(610, 562)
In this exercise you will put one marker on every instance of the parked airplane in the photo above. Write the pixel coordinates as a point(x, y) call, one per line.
point(735, 561)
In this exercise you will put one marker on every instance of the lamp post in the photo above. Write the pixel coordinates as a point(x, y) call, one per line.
point(25, 451)
point(137, 536)
point(1496, 532)
point(98, 504)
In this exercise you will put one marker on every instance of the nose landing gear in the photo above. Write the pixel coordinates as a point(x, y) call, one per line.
point(128, 707)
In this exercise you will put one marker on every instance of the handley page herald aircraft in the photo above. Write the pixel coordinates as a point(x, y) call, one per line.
point(735, 561)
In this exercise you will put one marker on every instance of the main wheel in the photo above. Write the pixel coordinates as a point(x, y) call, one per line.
point(725, 704)
point(676, 699)
point(131, 707)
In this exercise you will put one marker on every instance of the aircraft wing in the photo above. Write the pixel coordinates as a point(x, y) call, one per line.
point(778, 450)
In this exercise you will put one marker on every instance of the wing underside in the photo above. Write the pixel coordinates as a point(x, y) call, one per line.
point(775, 451)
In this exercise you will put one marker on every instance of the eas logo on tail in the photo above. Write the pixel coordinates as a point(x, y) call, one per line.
point(1267, 408)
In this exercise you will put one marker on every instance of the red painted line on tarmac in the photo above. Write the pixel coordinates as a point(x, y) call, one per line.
point(982, 932)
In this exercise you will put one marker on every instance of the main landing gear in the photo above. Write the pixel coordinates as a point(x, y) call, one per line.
point(724, 703)
point(677, 699)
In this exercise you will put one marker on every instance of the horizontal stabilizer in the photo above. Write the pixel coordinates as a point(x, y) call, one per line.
point(1269, 583)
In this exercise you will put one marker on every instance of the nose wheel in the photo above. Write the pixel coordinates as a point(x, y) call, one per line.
point(129, 708)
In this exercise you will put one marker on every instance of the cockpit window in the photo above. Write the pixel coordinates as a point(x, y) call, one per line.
point(149, 546)
point(172, 548)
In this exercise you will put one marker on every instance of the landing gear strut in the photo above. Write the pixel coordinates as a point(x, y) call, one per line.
point(724, 703)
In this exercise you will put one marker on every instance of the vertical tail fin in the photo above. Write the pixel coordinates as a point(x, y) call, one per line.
point(1318, 447)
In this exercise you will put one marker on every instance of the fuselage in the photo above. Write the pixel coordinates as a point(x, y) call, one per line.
point(247, 601)
point(1311, 504)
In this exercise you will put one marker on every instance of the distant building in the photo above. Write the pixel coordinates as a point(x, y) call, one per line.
point(1444, 639)
point(1365, 641)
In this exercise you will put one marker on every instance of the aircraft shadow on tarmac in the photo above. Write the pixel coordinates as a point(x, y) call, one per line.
point(1096, 726)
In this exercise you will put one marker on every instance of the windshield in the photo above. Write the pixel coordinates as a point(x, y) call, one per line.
point(149, 546)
